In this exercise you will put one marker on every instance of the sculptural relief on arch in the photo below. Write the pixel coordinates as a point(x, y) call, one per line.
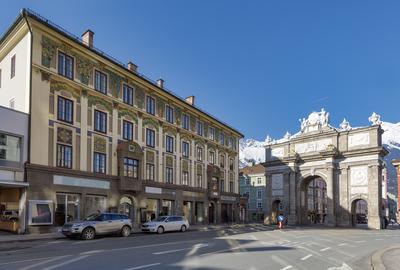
point(327, 175)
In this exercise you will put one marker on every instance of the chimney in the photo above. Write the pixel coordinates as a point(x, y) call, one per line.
point(190, 100)
point(132, 67)
point(87, 38)
point(160, 83)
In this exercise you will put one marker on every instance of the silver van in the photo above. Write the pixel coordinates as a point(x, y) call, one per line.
point(98, 224)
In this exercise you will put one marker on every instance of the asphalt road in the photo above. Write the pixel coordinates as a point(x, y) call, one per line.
point(235, 248)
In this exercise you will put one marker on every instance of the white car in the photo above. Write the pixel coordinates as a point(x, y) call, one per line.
point(166, 224)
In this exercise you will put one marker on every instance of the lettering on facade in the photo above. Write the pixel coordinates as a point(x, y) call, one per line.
point(358, 139)
point(153, 190)
point(313, 146)
point(228, 198)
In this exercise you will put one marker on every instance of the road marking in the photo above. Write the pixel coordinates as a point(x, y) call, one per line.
point(360, 241)
point(181, 249)
point(43, 262)
point(343, 244)
point(306, 257)
point(378, 239)
point(22, 261)
point(343, 267)
point(66, 262)
point(287, 267)
point(253, 237)
point(324, 249)
point(90, 242)
point(143, 266)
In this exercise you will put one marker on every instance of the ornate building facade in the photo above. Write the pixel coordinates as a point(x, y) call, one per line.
point(104, 137)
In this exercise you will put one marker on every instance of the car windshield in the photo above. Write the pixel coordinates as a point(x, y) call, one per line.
point(92, 217)
point(160, 219)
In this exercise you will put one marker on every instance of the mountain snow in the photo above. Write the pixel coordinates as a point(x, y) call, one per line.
point(253, 151)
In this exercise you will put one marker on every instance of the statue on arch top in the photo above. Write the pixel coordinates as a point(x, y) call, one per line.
point(315, 121)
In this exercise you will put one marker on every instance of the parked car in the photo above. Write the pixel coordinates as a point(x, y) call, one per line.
point(98, 224)
point(166, 224)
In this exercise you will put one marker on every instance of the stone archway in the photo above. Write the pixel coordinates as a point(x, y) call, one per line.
point(359, 212)
point(275, 210)
point(313, 200)
point(127, 206)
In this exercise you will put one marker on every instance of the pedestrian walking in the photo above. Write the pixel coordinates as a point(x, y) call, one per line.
point(281, 218)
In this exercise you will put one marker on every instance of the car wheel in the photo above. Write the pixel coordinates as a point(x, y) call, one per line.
point(88, 234)
point(160, 230)
point(183, 228)
point(125, 231)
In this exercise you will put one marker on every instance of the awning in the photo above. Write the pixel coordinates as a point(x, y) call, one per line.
point(16, 184)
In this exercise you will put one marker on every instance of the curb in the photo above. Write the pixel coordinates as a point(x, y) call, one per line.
point(60, 236)
point(376, 258)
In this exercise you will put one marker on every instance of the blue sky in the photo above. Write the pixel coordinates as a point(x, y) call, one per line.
point(257, 65)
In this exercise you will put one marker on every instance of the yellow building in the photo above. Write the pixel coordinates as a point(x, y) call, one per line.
point(104, 137)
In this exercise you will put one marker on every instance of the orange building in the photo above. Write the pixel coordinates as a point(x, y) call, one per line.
point(396, 164)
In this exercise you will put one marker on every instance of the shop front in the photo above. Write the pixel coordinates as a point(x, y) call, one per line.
point(12, 206)
point(229, 209)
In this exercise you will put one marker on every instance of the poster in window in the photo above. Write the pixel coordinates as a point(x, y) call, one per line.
point(40, 212)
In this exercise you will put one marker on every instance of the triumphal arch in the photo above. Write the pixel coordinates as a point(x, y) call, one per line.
point(327, 175)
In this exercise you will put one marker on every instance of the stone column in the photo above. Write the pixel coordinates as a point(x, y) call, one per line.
point(114, 169)
point(343, 215)
point(268, 184)
point(192, 155)
point(140, 131)
point(374, 197)
point(178, 151)
point(292, 219)
point(330, 215)
point(84, 130)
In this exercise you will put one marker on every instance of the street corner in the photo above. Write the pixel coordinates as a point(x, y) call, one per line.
point(386, 259)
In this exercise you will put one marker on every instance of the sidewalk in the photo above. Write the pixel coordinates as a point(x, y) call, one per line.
point(8, 238)
point(386, 259)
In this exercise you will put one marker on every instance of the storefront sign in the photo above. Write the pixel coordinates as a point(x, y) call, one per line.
point(80, 182)
point(228, 198)
point(40, 212)
point(169, 192)
point(192, 194)
point(153, 190)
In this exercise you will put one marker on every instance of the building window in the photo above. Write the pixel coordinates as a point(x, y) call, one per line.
point(211, 133)
point(169, 175)
point(65, 65)
point(248, 181)
point(10, 149)
point(100, 121)
point(13, 66)
point(199, 180)
point(64, 156)
point(185, 149)
point(199, 153)
point(169, 114)
point(212, 157)
point(150, 171)
point(259, 193)
point(100, 82)
point(185, 178)
point(222, 138)
point(231, 164)
point(222, 185)
point(127, 96)
point(131, 167)
point(169, 144)
point(150, 137)
point(259, 180)
point(99, 163)
point(199, 128)
point(150, 105)
point(222, 161)
point(185, 121)
point(65, 109)
point(259, 205)
point(127, 130)
point(231, 186)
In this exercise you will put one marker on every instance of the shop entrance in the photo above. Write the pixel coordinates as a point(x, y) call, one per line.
point(224, 213)
point(67, 209)
point(187, 211)
point(359, 212)
point(199, 212)
point(211, 213)
point(127, 207)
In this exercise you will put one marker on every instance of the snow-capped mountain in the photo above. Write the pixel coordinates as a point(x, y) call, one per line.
point(253, 151)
